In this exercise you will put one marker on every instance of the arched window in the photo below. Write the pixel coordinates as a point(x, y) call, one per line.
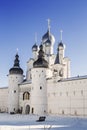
point(26, 96)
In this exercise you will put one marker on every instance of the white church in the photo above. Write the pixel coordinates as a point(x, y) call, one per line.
point(48, 87)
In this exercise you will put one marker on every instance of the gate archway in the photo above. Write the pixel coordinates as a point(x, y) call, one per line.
point(27, 109)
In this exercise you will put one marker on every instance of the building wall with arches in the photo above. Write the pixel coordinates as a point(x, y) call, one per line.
point(24, 97)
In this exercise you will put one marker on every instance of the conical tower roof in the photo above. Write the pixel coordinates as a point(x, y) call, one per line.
point(40, 62)
point(16, 67)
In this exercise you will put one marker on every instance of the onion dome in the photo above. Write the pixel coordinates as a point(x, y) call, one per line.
point(16, 68)
point(40, 62)
point(61, 44)
point(35, 47)
point(48, 43)
point(48, 36)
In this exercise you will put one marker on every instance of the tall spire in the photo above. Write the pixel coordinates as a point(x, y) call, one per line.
point(35, 37)
point(61, 32)
point(35, 47)
point(17, 50)
point(48, 20)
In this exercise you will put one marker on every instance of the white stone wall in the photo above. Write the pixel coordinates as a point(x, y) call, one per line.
point(29, 67)
point(26, 87)
point(66, 62)
point(4, 99)
point(52, 59)
point(67, 97)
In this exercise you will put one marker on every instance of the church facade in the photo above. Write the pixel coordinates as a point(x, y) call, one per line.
point(48, 87)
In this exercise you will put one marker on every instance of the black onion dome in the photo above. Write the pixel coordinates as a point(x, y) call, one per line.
point(16, 68)
point(61, 44)
point(35, 47)
point(48, 36)
point(40, 62)
point(45, 36)
point(48, 42)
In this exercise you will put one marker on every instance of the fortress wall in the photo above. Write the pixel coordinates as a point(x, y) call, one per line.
point(3, 99)
point(67, 97)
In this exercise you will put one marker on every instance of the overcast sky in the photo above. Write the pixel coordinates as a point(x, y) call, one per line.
point(21, 19)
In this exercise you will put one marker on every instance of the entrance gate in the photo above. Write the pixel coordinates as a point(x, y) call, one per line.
point(27, 109)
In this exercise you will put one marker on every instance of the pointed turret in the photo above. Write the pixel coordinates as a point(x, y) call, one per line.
point(16, 67)
point(40, 62)
point(15, 78)
point(60, 51)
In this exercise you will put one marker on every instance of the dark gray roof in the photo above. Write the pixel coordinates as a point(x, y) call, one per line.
point(26, 82)
point(46, 37)
point(40, 62)
point(16, 70)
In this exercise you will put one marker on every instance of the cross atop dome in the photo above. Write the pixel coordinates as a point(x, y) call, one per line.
point(61, 32)
point(17, 50)
point(35, 37)
point(48, 20)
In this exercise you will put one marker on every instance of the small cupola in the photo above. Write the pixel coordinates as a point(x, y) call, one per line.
point(61, 45)
point(40, 62)
point(34, 47)
point(60, 51)
point(16, 68)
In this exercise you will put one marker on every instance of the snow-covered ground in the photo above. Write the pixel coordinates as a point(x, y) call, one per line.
point(28, 122)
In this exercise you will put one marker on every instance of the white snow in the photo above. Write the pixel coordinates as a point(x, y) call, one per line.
point(28, 122)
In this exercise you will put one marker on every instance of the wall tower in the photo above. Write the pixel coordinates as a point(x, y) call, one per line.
point(39, 85)
point(15, 77)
